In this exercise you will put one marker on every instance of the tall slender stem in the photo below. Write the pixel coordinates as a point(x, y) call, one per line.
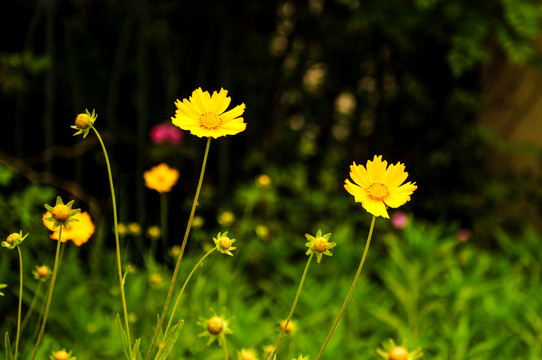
point(50, 295)
point(20, 302)
point(117, 243)
point(224, 345)
point(164, 220)
point(275, 350)
point(179, 298)
point(183, 245)
point(356, 278)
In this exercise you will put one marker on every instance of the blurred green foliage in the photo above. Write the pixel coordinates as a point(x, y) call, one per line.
point(454, 299)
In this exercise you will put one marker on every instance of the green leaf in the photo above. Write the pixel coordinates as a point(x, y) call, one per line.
point(9, 356)
point(123, 339)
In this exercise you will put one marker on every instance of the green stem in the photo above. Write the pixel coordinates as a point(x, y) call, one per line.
point(117, 243)
point(32, 306)
point(356, 278)
point(50, 295)
point(20, 302)
point(179, 297)
point(183, 245)
point(293, 307)
point(224, 345)
point(164, 220)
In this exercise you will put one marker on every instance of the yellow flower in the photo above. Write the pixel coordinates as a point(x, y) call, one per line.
point(161, 178)
point(153, 232)
point(290, 328)
point(392, 351)
point(247, 354)
point(204, 115)
point(79, 232)
point(215, 327)
point(379, 186)
point(134, 229)
point(226, 218)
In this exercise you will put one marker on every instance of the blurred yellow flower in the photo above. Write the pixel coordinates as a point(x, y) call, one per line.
point(204, 115)
point(80, 230)
point(134, 229)
point(378, 186)
point(226, 218)
point(247, 354)
point(121, 228)
point(153, 232)
point(264, 180)
point(161, 178)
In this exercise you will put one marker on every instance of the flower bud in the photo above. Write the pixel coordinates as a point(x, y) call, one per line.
point(12, 238)
point(320, 244)
point(398, 353)
point(82, 121)
point(225, 243)
point(43, 271)
point(61, 355)
point(215, 325)
point(60, 213)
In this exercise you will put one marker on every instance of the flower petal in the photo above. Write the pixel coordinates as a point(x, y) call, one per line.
point(375, 207)
point(376, 169)
point(359, 174)
point(394, 176)
point(233, 113)
point(355, 190)
point(220, 101)
point(399, 196)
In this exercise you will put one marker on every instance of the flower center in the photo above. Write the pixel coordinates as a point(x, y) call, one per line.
point(215, 325)
point(320, 245)
point(82, 121)
point(210, 120)
point(378, 191)
point(225, 243)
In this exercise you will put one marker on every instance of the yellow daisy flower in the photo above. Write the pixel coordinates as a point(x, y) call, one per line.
point(161, 178)
point(378, 186)
point(79, 232)
point(204, 115)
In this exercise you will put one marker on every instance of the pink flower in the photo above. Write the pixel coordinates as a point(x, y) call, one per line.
point(166, 133)
point(399, 220)
point(463, 235)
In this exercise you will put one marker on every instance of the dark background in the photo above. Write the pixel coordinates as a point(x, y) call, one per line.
point(413, 68)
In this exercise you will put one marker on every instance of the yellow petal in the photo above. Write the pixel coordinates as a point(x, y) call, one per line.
point(394, 176)
point(376, 169)
point(221, 101)
point(187, 108)
point(197, 99)
point(355, 190)
point(233, 113)
point(399, 196)
point(359, 175)
point(375, 207)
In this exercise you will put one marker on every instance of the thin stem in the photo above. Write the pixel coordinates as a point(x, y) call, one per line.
point(356, 278)
point(164, 220)
point(20, 302)
point(180, 294)
point(183, 245)
point(50, 295)
point(275, 350)
point(117, 243)
point(32, 306)
point(224, 345)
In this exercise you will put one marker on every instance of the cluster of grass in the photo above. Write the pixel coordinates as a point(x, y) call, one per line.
point(453, 299)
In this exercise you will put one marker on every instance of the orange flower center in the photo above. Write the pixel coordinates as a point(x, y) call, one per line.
point(378, 191)
point(225, 243)
point(398, 353)
point(60, 212)
point(320, 244)
point(210, 120)
point(215, 325)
